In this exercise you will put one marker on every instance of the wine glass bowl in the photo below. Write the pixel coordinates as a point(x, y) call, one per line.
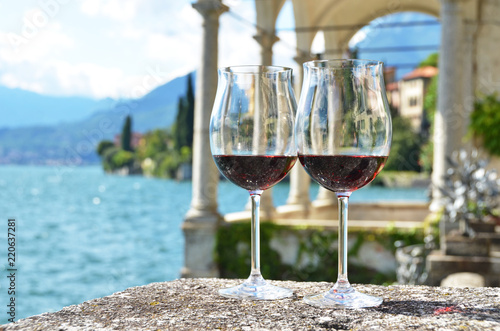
point(343, 136)
point(252, 144)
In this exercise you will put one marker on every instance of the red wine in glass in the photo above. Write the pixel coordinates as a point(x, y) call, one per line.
point(254, 172)
point(343, 134)
point(252, 143)
point(342, 173)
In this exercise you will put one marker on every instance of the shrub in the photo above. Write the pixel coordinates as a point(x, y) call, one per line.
point(405, 149)
point(485, 123)
point(103, 146)
point(121, 159)
point(107, 158)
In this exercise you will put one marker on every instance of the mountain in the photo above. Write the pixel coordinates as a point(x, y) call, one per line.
point(22, 108)
point(74, 142)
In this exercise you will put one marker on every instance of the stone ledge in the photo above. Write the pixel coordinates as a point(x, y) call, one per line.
point(193, 304)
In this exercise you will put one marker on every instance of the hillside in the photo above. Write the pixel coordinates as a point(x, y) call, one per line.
point(74, 142)
point(22, 108)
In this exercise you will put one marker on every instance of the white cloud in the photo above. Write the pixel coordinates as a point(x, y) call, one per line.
point(63, 78)
point(236, 43)
point(91, 7)
point(125, 49)
point(13, 81)
point(119, 10)
point(188, 18)
point(17, 48)
point(89, 78)
point(132, 33)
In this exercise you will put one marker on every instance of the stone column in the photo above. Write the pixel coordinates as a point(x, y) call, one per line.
point(449, 118)
point(201, 221)
point(298, 201)
point(468, 79)
point(266, 41)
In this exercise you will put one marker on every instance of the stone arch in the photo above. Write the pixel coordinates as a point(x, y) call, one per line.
point(333, 15)
point(367, 19)
point(371, 10)
point(267, 13)
point(325, 13)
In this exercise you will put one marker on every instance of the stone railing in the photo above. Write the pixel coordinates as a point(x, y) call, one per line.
point(193, 304)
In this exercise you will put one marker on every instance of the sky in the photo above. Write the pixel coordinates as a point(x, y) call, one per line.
point(111, 48)
point(122, 48)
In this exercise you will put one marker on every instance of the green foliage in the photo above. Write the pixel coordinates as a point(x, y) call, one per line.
point(431, 60)
point(126, 138)
point(430, 100)
point(107, 158)
point(427, 156)
point(411, 151)
point(405, 149)
point(168, 163)
point(184, 124)
point(103, 146)
point(485, 123)
point(389, 178)
point(430, 106)
point(154, 142)
point(114, 158)
point(233, 251)
point(159, 147)
point(122, 158)
point(160, 152)
point(317, 252)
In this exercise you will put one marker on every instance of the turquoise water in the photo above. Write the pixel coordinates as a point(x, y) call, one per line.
point(82, 234)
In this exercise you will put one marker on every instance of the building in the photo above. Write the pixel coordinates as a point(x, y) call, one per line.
point(134, 139)
point(412, 91)
point(393, 96)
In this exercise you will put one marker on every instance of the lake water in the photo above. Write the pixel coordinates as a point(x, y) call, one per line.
point(83, 234)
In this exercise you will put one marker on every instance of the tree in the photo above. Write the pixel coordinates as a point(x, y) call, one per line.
point(103, 146)
point(485, 121)
point(179, 128)
point(431, 60)
point(430, 105)
point(190, 112)
point(405, 150)
point(126, 138)
point(184, 124)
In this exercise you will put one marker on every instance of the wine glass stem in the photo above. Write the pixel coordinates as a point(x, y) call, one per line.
point(255, 244)
point(343, 206)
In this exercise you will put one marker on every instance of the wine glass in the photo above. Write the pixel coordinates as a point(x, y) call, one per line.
point(252, 144)
point(343, 135)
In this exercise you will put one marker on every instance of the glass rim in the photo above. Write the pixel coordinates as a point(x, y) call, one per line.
point(252, 69)
point(342, 63)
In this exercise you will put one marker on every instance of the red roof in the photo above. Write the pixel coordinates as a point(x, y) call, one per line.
point(423, 72)
point(392, 86)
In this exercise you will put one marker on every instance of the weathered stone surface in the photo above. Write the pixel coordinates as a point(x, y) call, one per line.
point(193, 304)
point(463, 279)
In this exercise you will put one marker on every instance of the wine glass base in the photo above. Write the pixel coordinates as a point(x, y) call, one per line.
point(342, 297)
point(256, 288)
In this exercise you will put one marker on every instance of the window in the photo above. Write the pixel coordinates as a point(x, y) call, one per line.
point(413, 101)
